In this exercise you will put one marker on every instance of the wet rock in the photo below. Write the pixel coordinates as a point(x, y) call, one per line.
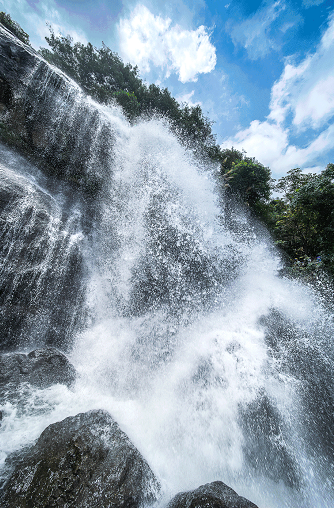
point(42, 268)
point(265, 446)
point(34, 98)
point(40, 368)
point(211, 495)
point(17, 60)
point(84, 461)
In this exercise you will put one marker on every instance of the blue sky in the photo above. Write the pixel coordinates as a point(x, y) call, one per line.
point(263, 71)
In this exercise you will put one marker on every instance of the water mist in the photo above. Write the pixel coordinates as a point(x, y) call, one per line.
point(173, 313)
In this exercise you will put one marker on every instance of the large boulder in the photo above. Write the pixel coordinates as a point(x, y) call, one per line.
point(84, 461)
point(211, 495)
point(40, 368)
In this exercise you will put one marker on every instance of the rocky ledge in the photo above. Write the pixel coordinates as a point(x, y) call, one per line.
point(40, 368)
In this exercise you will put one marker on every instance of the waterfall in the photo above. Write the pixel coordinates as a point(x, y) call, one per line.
point(172, 308)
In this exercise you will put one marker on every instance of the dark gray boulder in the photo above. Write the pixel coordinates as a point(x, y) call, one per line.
point(84, 461)
point(40, 368)
point(211, 495)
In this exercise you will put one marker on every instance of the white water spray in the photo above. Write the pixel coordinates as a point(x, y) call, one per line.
point(205, 356)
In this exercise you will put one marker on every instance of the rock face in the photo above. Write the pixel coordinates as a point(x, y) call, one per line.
point(40, 368)
point(42, 268)
point(84, 461)
point(17, 60)
point(41, 116)
point(211, 495)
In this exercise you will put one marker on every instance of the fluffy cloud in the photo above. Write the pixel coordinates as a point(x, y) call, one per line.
point(187, 99)
point(307, 89)
point(264, 31)
point(301, 100)
point(146, 39)
point(269, 143)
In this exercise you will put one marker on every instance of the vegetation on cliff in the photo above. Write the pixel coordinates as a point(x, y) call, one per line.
point(102, 75)
point(302, 220)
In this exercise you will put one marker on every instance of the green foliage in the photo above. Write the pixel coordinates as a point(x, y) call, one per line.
point(129, 103)
point(303, 220)
point(292, 182)
point(251, 180)
point(228, 157)
point(14, 27)
point(102, 74)
point(246, 178)
point(194, 125)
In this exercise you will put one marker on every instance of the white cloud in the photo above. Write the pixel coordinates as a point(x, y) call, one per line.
point(266, 138)
point(302, 99)
point(253, 33)
point(307, 89)
point(146, 39)
point(264, 31)
point(311, 3)
point(269, 143)
point(318, 103)
point(187, 99)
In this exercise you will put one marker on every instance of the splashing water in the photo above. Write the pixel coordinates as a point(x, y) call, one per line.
point(173, 314)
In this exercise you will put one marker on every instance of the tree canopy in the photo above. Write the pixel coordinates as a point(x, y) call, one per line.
point(302, 221)
point(246, 178)
point(102, 74)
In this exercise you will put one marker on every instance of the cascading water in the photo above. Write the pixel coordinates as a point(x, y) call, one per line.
point(173, 313)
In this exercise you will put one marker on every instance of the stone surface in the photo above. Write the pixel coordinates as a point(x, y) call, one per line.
point(211, 495)
point(84, 461)
point(17, 60)
point(42, 285)
point(41, 116)
point(40, 368)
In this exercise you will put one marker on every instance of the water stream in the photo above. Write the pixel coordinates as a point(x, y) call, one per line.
point(172, 310)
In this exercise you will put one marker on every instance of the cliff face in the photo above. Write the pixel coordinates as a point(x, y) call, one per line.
point(17, 62)
point(42, 268)
point(41, 115)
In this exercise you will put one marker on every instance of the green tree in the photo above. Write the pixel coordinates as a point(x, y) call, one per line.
point(228, 157)
point(129, 103)
point(251, 180)
point(302, 221)
point(14, 27)
point(246, 178)
point(292, 182)
point(100, 72)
